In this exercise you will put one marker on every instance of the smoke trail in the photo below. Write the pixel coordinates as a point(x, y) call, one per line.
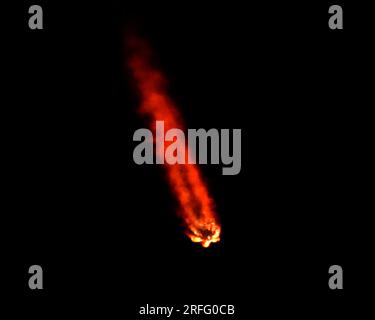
point(196, 207)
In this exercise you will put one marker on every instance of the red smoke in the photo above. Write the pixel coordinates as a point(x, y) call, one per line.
point(196, 207)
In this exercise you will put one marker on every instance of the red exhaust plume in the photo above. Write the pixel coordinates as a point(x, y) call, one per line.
point(195, 205)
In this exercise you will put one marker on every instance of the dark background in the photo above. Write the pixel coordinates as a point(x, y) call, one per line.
point(105, 230)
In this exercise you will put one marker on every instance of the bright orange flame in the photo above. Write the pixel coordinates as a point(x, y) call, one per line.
point(196, 206)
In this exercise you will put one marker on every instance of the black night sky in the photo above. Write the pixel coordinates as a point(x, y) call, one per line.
point(105, 230)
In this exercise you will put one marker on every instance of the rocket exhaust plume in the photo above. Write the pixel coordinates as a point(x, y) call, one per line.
point(196, 207)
